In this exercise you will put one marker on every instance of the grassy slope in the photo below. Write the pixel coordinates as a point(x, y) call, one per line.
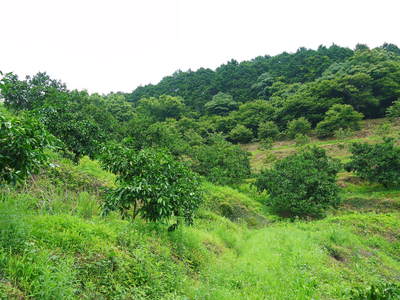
point(54, 244)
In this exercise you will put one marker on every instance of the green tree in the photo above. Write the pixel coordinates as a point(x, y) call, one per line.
point(302, 184)
point(240, 134)
point(28, 93)
point(220, 161)
point(378, 163)
point(298, 126)
point(221, 104)
point(339, 116)
point(152, 184)
point(268, 130)
point(394, 110)
point(251, 114)
point(161, 108)
point(80, 124)
point(23, 144)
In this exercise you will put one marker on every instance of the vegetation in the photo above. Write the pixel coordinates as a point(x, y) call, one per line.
point(105, 180)
point(339, 117)
point(23, 144)
point(151, 184)
point(301, 185)
point(298, 126)
point(378, 163)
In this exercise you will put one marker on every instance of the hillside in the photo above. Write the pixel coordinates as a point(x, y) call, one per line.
point(274, 178)
point(55, 245)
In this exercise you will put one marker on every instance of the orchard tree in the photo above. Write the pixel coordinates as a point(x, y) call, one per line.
point(298, 126)
point(23, 144)
point(152, 184)
point(302, 184)
point(378, 163)
point(339, 116)
point(220, 161)
point(268, 130)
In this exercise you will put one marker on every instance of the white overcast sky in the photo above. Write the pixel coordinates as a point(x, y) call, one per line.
point(116, 45)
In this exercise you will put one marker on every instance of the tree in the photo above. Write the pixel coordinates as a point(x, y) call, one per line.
point(161, 108)
point(151, 183)
point(81, 126)
point(268, 130)
point(302, 184)
point(339, 116)
point(220, 161)
point(394, 110)
point(28, 93)
point(251, 114)
point(376, 163)
point(240, 134)
point(298, 126)
point(23, 144)
point(221, 104)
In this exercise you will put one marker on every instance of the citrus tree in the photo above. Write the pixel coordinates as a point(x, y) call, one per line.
point(302, 184)
point(23, 142)
point(151, 183)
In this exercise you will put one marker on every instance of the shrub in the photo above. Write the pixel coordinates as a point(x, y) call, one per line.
point(23, 142)
point(266, 144)
point(384, 129)
point(303, 184)
point(268, 130)
point(240, 134)
point(378, 163)
point(394, 110)
point(151, 184)
point(338, 116)
point(384, 290)
point(298, 126)
point(221, 162)
point(342, 134)
point(301, 140)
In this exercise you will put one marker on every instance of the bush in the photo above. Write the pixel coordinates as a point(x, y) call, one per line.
point(268, 130)
point(301, 140)
point(339, 116)
point(240, 134)
point(303, 184)
point(23, 142)
point(394, 110)
point(384, 290)
point(298, 126)
point(378, 163)
point(221, 162)
point(151, 184)
point(342, 134)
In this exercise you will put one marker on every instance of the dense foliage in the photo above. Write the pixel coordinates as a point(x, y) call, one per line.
point(23, 144)
point(394, 110)
point(378, 163)
point(152, 184)
point(302, 184)
point(221, 162)
point(339, 116)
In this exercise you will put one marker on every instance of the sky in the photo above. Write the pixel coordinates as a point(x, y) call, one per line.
point(117, 45)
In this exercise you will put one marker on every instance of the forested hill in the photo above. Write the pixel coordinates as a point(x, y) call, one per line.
point(329, 72)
